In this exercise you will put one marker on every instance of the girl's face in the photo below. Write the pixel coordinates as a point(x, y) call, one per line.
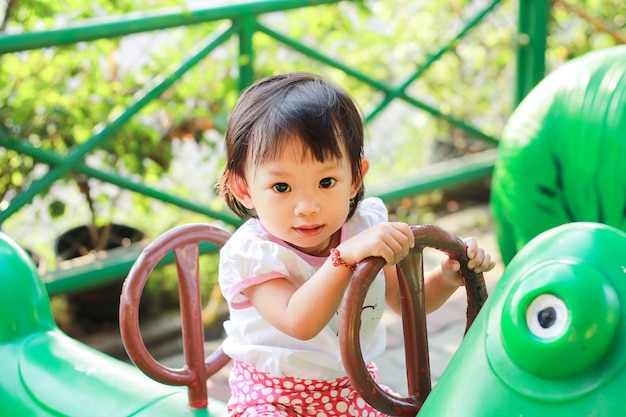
point(300, 200)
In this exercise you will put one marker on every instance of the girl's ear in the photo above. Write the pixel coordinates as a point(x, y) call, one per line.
point(357, 183)
point(239, 189)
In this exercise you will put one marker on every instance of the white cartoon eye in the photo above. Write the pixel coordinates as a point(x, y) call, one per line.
point(547, 317)
point(560, 320)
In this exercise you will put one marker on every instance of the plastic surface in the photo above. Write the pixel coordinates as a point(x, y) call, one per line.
point(561, 157)
point(551, 339)
point(44, 372)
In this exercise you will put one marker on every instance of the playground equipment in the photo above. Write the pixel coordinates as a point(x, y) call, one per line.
point(411, 280)
point(549, 341)
point(560, 158)
point(47, 373)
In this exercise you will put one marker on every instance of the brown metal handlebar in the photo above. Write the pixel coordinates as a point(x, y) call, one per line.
point(184, 242)
point(411, 282)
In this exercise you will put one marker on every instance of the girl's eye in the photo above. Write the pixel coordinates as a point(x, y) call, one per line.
point(281, 187)
point(327, 182)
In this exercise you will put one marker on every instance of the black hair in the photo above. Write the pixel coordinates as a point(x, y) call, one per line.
point(278, 109)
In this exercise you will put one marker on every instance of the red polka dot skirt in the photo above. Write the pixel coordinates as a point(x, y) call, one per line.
point(255, 393)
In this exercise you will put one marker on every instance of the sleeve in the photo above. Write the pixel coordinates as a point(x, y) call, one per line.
point(371, 211)
point(247, 262)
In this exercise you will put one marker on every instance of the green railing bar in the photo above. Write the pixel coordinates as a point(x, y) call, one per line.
point(246, 51)
point(76, 154)
point(432, 59)
point(112, 266)
point(443, 175)
point(531, 45)
point(145, 21)
point(373, 83)
point(116, 263)
point(51, 158)
point(321, 57)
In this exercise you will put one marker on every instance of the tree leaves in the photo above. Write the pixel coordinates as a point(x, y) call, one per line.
point(59, 97)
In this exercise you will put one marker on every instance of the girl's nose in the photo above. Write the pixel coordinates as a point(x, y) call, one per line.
point(306, 207)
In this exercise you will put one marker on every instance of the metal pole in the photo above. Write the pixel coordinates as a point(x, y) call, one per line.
point(531, 45)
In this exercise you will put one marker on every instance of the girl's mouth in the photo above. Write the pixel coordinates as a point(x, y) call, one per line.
point(309, 230)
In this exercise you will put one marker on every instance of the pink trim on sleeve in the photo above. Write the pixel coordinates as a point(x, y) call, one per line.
point(235, 296)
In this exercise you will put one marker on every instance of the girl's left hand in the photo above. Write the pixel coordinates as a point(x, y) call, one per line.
point(479, 261)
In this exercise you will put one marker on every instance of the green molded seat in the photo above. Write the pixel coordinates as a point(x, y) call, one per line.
point(47, 373)
point(551, 339)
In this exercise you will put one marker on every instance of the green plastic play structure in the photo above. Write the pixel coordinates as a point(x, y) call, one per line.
point(47, 373)
point(561, 156)
point(551, 339)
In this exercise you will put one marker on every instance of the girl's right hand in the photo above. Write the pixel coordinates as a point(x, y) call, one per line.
point(390, 241)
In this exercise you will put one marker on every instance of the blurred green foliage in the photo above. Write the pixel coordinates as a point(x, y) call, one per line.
point(56, 98)
point(59, 97)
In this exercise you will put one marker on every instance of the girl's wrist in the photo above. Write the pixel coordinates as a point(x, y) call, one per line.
point(453, 282)
point(450, 278)
point(338, 261)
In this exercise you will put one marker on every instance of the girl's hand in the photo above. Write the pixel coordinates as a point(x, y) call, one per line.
point(479, 261)
point(390, 241)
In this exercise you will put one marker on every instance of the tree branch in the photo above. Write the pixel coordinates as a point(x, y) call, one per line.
point(7, 14)
point(597, 23)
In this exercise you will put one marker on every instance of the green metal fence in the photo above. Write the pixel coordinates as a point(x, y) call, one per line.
point(241, 20)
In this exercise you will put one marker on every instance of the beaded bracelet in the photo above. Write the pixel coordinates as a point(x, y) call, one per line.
point(335, 257)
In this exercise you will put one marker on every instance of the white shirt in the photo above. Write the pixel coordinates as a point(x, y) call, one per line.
point(252, 256)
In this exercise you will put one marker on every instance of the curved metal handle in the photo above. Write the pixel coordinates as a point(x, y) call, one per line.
point(411, 282)
point(184, 241)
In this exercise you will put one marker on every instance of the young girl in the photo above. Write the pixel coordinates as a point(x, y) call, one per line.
point(295, 168)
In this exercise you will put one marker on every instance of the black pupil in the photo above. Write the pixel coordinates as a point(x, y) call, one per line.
point(547, 317)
